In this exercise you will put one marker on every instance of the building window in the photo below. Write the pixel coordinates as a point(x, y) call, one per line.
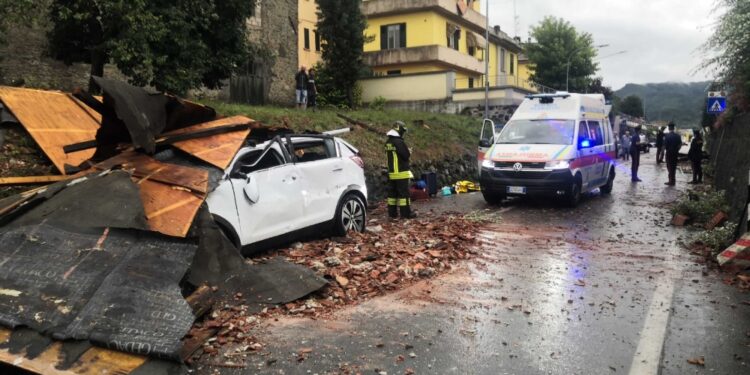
point(512, 64)
point(501, 60)
point(393, 72)
point(471, 83)
point(317, 41)
point(472, 51)
point(393, 36)
point(453, 33)
point(307, 39)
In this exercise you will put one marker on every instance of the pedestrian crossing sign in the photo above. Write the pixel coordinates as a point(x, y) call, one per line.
point(716, 105)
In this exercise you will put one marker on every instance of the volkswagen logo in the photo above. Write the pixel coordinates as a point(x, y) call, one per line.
point(517, 167)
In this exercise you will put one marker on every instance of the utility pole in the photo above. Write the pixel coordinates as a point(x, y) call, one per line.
point(487, 60)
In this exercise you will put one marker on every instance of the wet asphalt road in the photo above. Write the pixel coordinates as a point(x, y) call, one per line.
point(601, 289)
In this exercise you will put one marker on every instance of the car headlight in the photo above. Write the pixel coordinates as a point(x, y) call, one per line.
point(557, 164)
point(488, 163)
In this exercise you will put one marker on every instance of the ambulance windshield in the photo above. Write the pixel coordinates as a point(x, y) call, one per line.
point(538, 132)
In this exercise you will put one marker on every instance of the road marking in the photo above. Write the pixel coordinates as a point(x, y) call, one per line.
point(648, 353)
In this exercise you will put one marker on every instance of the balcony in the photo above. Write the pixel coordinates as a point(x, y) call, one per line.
point(425, 54)
point(448, 8)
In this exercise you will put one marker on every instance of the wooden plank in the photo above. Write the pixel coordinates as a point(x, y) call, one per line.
point(31, 180)
point(98, 361)
point(54, 119)
point(217, 150)
point(148, 168)
point(169, 210)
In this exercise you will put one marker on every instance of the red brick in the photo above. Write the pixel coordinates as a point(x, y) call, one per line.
point(680, 220)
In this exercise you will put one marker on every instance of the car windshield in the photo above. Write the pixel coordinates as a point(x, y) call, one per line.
point(553, 132)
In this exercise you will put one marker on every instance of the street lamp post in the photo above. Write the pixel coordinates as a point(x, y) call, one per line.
point(570, 57)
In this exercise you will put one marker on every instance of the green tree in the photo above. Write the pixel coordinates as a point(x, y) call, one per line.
point(729, 50)
point(558, 47)
point(171, 45)
point(632, 105)
point(341, 25)
point(596, 86)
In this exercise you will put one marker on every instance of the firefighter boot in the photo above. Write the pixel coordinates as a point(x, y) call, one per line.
point(392, 212)
point(406, 212)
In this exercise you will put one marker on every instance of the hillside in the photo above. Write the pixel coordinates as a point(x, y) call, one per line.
point(432, 136)
point(681, 102)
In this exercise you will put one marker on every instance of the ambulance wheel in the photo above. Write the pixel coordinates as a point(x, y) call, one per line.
point(574, 194)
point(492, 198)
point(607, 189)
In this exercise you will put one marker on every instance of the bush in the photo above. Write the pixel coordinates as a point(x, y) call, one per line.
point(329, 95)
point(700, 206)
point(378, 104)
point(719, 238)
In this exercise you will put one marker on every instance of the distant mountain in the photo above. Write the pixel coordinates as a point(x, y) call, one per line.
point(681, 102)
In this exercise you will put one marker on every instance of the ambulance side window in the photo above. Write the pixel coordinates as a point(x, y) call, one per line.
point(595, 132)
point(583, 132)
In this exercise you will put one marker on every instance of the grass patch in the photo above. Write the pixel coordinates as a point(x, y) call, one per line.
point(700, 206)
point(431, 136)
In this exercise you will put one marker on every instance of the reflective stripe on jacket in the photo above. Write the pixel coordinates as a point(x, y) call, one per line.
point(398, 158)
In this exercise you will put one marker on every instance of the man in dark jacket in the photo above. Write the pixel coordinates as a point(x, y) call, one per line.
point(398, 173)
point(672, 145)
point(300, 84)
point(695, 154)
point(660, 145)
point(635, 154)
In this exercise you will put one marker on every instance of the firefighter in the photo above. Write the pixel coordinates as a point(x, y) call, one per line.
point(398, 173)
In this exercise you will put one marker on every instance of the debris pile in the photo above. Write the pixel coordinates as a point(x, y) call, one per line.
point(388, 256)
point(120, 252)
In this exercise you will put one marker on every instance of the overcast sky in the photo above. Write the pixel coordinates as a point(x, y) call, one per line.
point(661, 37)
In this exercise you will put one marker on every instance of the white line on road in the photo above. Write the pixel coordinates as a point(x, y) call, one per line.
point(648, 353)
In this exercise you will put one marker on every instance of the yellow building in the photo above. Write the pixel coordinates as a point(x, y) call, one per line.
point(308, 41)
point(434, 50)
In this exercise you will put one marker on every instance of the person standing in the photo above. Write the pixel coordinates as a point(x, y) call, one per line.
point(635, 154)
point(626, 145)
point(399, 173)
point(660, 145)
point(312, 90)
point(672, 145)
point(695, 154)
point(300, 80)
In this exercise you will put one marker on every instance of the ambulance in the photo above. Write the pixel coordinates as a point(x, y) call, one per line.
point(559, 145)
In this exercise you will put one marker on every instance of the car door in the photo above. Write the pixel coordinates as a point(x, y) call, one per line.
point(486, 139)
point(597, 173)
point(584, 160)
point(323, 177)
point(268, 195)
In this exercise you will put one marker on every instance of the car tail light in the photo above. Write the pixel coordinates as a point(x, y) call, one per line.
point(358, 160)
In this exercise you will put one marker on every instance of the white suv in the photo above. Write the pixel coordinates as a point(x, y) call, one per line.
point(290, 186)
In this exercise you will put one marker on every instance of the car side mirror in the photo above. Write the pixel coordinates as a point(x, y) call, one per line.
point(484, 143)
point(251, 190)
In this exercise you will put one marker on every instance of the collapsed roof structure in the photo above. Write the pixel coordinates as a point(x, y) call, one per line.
point(121, 254)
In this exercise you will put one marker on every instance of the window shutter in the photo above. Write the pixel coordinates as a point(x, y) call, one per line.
point(402, 34)
point(383, 37)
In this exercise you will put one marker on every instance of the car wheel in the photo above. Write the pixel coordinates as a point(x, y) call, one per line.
point(351, 215)
point(574, 194)
point(492, 198)
point(607, 188)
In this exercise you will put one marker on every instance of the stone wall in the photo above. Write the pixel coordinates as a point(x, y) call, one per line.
point(274, 30)
point(24, 61)
point(730, 161)
point(449, 171)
